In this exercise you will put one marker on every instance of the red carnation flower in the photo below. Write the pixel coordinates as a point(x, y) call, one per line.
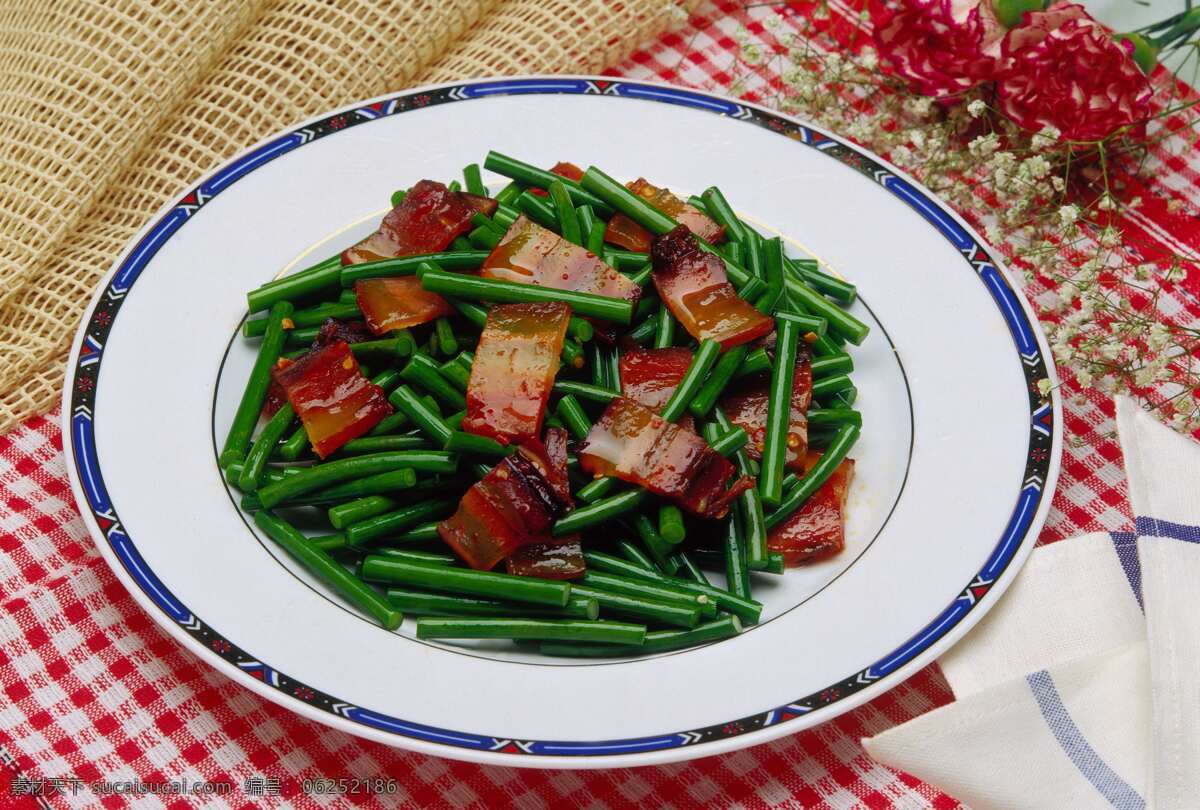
point(1063, 69)
point(943, 47)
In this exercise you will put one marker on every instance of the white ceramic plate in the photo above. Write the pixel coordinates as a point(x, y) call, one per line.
point(957, 461)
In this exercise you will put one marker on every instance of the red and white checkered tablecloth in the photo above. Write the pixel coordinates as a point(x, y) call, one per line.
point(92, 690)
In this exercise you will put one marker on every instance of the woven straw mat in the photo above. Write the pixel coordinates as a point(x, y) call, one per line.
point(109, 108)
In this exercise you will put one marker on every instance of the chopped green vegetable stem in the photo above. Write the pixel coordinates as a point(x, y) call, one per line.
point(405, 400)
point(539, 629)
point(473, 179)
point(256, 460)
point(568, 221)
point(693, 379)
point(598, 512)
point(670, 524)
point(843, 440)
point(724, 371)
point(420, 603)
point(506, 292)
point(664, 334)
point(573, 416)
point(779, 412)
point(408, 265)
point(329, 570)
point(466, 581)
point(245, 417)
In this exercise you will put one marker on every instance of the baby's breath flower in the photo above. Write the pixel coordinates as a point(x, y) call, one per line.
point(1036, 167)
point(858, 131)
point(920, 106)
point(984, 145)
point(1046, 138)
point(752, 53)
point(1017, 188)
point(1004, 160)
point(1158, 337)
point(1044, 386)
point(799, 80)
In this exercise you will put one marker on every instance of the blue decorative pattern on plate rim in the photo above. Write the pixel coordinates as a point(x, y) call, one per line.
point(102, 316)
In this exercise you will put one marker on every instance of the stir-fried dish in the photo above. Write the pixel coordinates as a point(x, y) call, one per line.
point(547, 414)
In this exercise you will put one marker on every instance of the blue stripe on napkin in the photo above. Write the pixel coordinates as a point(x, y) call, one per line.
point(1153, 527)
point(1111, 786)
point(1125, 544)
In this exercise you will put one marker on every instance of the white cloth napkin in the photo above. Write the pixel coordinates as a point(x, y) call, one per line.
point(1081, 688)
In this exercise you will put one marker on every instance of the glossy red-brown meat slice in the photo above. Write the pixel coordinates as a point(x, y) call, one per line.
point(649, 376)
point(425, 221)
point(334, 330)
point(625, 233)
point(563, 169)
point(554, 560)
point(633, 443)
point(568, 170)
point(550, 458)
point(398, 303)
point(276, 396)
point(531, 254)
point(333, 399)
point(512, 507)
point(553, 557)
point(693, 284)
point(477, 532)
point(514, 369)
point(817, 530)
point(678, 210)
point(745, 403)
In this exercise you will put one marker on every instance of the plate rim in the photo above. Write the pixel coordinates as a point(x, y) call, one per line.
point(518, 753)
